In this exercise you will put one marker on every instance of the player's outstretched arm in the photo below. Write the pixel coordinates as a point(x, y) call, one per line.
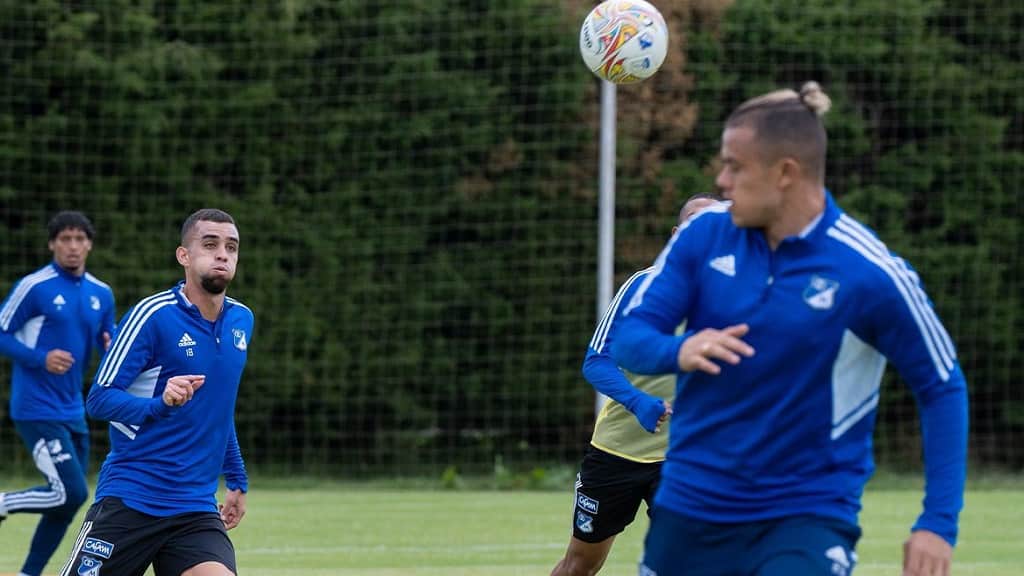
point(600, 370)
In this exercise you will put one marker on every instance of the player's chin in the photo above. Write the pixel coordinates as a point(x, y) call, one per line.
point(216, 283)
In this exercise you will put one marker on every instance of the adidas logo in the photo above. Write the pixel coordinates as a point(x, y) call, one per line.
point(186, 341)
point(841, 563)
point(724, 264)
point(59, 300)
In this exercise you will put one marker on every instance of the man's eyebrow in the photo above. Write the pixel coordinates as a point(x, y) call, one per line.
point(218, 237)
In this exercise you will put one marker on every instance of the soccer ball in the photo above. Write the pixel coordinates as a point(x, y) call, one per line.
point(624, 41)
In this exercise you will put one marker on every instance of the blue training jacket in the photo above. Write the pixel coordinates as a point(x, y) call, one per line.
point(167, 460)
point(788, 431)
point(50, 309)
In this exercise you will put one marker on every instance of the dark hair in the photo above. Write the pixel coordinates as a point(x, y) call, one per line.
point(203, 215)
point(789, 124)
point(698, 196)
point(70, 219)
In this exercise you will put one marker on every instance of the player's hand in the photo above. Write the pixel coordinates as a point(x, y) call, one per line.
point(926, 554)
point(233, 508)
point(106, 340)
point(698, 350)
point(59, 361)
point(664, 416)
point(179, 389)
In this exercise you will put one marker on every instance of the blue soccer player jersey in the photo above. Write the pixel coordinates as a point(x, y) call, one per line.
point(53, 309)
point(167, 460)
point(789, 430)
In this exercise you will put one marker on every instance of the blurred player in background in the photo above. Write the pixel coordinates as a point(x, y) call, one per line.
point(794, 308)
point(168, 386)
point(623, 462)
point(49, 325)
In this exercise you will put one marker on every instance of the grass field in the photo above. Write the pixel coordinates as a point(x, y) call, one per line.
point(353, 530)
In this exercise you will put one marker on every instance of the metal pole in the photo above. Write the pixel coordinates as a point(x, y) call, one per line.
point(606, 211)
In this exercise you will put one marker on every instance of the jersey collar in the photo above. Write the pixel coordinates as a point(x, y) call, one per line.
point(64, 273)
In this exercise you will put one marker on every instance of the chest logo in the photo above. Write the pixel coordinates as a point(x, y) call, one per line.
point(94, 302)
point(820, 294)
point(188, 343)
point(724, 264)
point(59, 301)
point(240, 340)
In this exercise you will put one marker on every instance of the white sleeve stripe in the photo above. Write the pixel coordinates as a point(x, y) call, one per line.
point(113, 362)
point(912, 292)
point(124, 430)
point(914, 280)
point(598, 341)
point(117, 345)
point(96, 281)
point(940, 366)
point(910, 280)
point(659, 265)
point(126, 335)
point(21, 292)
point(237, 303)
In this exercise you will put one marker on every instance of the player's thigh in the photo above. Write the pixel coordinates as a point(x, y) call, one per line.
point(114, 539)
point(208, 569)
point(808, 545)
point(57, 455)
point(679, 546)
point(609, 490)
point(197, 542)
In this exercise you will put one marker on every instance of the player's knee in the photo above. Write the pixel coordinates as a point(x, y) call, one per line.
point(75, 495)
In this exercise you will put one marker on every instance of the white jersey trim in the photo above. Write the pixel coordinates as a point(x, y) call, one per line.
point(856, 379)
point(600, 338)
point(924, 317)
point(659, 264)
point(128, 332)
point(26, 285)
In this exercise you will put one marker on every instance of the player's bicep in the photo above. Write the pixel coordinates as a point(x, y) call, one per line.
point(130, 353)
point(909, 333)
point(662, 300)
point(18, 308)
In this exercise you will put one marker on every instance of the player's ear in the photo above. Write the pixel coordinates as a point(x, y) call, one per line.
point(182, 255)
point(789, 172)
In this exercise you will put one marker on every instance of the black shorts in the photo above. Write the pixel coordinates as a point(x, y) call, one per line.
point(119, 541)
point(609, 490)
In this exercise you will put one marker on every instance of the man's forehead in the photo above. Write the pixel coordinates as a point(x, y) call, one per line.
point(73, 231)
point(208, 229)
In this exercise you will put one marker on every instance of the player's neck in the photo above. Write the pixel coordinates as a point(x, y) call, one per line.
point(209, 305)
point(805, 205)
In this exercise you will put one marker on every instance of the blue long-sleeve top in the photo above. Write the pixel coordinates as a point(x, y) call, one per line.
point(789, 430)
point(47, 310)
point(167, 460)
point(601, 371)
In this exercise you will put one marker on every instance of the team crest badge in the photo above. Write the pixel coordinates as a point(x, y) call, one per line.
point(94, 302)
point(89, 566)
point(584, 522)
point(820, 294)
point(241, 342)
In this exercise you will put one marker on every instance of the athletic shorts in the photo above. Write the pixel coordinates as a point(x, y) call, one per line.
point(118, 541)
point(609, 490)
point(804, 545)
